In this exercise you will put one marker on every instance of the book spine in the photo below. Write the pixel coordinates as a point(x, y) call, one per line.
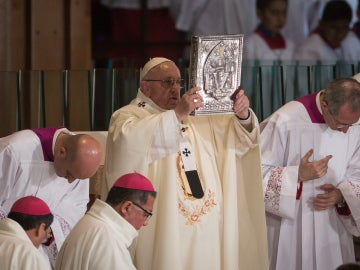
point(193, 61)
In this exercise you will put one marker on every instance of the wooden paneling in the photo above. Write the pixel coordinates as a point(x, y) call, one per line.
point(8, 102)
point(12, 34)
point(47, 35)
point(47, 48)
point(78, 100)
point(80, 34)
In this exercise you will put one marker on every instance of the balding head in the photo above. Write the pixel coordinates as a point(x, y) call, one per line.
point(77, 156)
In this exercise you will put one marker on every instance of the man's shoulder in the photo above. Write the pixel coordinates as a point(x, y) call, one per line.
point(135, 108)
point(290, 112)
point(21, 141)
point(290, 108)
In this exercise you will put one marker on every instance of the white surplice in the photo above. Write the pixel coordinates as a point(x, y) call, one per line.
point(26, 173)
point(298, 236)
point(302, 17)
point(256, 48)
point(223, 230)
point(352, 47)
point(315, 49)
point(99, 241)
point(17, 252)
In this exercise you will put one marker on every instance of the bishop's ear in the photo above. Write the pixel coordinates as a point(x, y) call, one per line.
point(40, 229)
point(124, 208)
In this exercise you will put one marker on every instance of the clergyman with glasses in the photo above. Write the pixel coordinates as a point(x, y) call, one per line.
point(101, 239)
point(310, 152)
point(206, 169)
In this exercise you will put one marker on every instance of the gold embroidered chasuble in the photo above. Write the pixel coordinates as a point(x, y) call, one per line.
point(225, 229)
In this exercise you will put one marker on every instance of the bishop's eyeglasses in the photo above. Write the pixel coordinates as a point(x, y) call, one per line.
point(147, 214)
point(340, 125)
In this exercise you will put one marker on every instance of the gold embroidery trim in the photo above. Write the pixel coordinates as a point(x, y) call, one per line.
point(201, 206)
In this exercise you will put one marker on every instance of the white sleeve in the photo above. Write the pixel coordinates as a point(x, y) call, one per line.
point(280, 181)
point(8, 176)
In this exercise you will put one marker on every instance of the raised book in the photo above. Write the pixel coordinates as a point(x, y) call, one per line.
point(215, 66)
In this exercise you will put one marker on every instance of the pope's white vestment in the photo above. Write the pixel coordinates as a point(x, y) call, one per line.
point(225, 229)
point(17, 252)
point(299, 237)
point(28, 170)
point(99, 241)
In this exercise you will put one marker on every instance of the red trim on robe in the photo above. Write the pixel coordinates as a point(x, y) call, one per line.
point(299, 191)
point(318, 32)
point(274, 42)
point(344, 210)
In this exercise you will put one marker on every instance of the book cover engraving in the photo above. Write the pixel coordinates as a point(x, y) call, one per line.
point(215, 66)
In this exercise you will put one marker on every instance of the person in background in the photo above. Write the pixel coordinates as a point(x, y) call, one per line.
point(303, 17)
point(210, 211)
point(311, 176)
point(356, 27)
point(54, 165)
point(349, 266)
point(268, 48)
point(267, 42)
point(22, 232)
point(101, 239)
point(352, 40)
point(326, 42)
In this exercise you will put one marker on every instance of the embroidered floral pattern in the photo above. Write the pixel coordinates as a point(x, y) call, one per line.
point(355, 188)
point(193, 215)
point(190, 207)
point(272, 194)
point(2, 215)
point(51, 251)
point(65, 226)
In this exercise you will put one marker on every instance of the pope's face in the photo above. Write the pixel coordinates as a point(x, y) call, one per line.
point(162, 85)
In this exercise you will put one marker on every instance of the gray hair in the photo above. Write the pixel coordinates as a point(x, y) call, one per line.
point(341, 91)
